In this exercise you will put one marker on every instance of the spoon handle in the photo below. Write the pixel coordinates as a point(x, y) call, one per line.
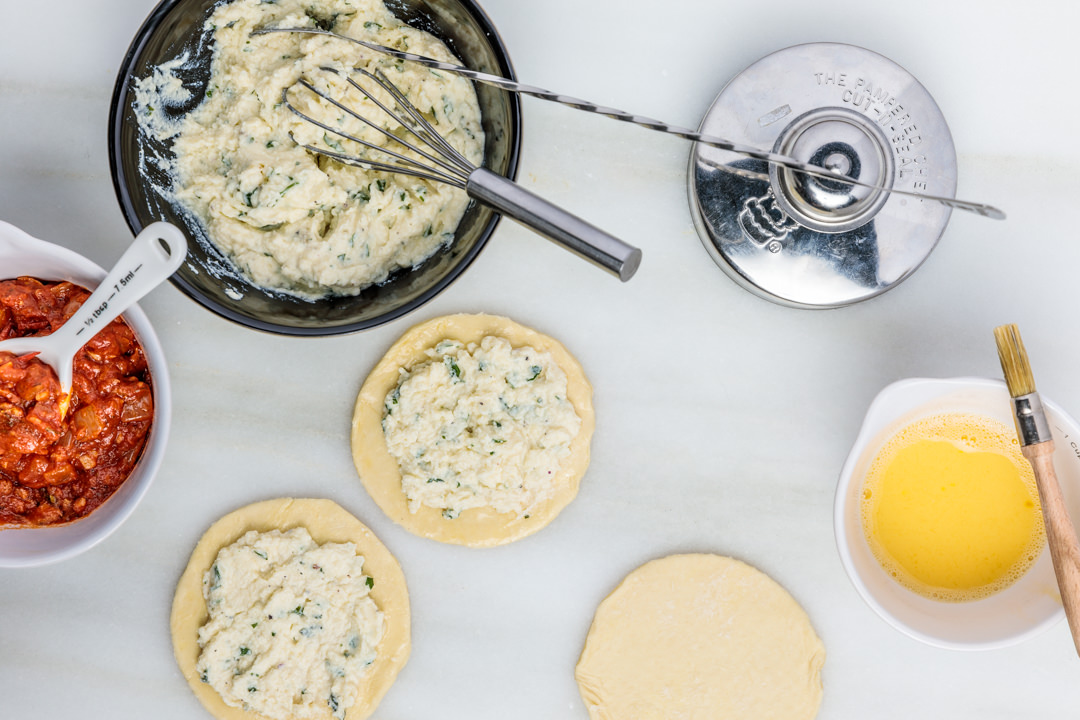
point(649, 123)
point(155, 254)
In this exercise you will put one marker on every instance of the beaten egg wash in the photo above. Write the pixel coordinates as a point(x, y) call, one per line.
point(950, 508)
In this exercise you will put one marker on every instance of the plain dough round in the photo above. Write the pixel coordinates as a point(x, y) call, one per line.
point(326, 522)
point(476, 527)
point(700, 637)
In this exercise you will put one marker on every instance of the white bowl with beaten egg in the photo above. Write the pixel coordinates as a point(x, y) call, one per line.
point(1029, 605)
point(23, 255)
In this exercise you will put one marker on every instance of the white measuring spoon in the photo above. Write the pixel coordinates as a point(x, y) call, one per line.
point(155, 254)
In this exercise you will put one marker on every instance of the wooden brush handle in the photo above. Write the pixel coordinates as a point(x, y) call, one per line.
point(1060, 534)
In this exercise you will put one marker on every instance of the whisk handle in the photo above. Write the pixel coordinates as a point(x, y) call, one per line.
point(554, 223)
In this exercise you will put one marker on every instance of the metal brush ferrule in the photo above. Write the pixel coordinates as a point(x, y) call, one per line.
point(1031, 423)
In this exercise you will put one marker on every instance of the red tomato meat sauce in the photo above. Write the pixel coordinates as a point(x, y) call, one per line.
point(58, 467)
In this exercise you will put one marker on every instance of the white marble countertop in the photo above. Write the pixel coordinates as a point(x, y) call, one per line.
point(767, 399)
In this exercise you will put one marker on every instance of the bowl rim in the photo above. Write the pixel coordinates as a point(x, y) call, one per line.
point(875, 421)
point(120, 505)
point(120, 100)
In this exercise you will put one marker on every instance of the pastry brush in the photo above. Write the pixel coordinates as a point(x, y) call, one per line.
point(1037, 445)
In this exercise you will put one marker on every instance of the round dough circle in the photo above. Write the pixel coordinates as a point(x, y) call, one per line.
point(325, 521)
point(476, 527)
point(700, 636)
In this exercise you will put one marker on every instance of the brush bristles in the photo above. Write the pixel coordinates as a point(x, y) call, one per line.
point(1014, 361)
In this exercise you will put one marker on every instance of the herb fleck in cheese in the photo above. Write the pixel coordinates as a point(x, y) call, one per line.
point(291, 626)
point(482, 425)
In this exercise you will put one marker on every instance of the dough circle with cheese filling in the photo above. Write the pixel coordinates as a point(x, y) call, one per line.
point(700, 636)
point(379, 471)
point(326, 522)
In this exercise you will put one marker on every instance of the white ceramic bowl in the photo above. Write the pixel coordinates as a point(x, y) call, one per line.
point(21, 254)
point(1028, 606)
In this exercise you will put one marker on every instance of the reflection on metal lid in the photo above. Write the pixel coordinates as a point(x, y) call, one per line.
point(808, 242)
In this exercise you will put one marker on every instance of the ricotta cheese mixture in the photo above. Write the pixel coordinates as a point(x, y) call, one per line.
point(480, 425)
point(291, 220)
point(291, 628)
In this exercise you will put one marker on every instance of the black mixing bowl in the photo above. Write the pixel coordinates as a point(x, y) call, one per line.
point(176, 27)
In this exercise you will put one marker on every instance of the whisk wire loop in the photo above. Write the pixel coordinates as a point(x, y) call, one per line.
point(422, 129)
point(450, 168)
point(410, 130)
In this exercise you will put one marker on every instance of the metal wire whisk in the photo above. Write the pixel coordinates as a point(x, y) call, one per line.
point(440, 162)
